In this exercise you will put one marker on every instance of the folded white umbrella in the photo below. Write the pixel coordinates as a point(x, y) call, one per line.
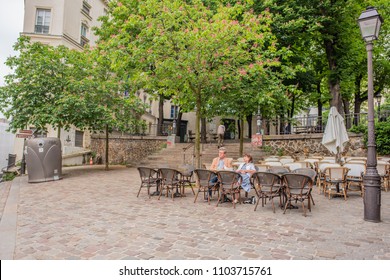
point(335, 135)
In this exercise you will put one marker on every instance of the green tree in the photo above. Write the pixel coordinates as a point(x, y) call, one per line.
point(38, 84)
point(198, 55)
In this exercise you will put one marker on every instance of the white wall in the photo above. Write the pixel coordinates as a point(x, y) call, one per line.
point(6, 144)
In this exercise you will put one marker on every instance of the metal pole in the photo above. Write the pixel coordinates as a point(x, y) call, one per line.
point(371, 180)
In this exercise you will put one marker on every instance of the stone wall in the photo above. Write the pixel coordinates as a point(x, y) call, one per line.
point(299, 144)
point(127, 149)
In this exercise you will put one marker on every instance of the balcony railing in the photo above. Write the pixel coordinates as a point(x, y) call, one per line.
point(309, 124)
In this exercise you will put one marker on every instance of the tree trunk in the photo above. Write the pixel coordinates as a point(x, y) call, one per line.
point(239, 125)
point(59, 132)
point(160, 115)
point(319, 107)
point(106, 168)
point(204, 131)
point(249, 121)
point(241, 133)
point(197, 130)
point(358, 100)
point(347, 114)
point(334, 80)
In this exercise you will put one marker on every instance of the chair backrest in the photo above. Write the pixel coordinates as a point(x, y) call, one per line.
point(311, 160)
point(306, 171)
point(292, 165)
point(261, 167)
point(169, 175)
point(147, 172)
point(268, 179)
point(274, 163)
point(355, 158)
point(273, 159)
point(355, 169)
point(203, 176)
point(327, 160)
point(228, 179)
point(336, 173)
point(305, 164)
point(279, 169)
point(286, 160)
point(383, 168)
point(186, 169)
point(386, 159)
point(297, 184)
point(323, 166)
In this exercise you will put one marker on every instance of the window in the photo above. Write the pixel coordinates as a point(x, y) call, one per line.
point(42, 21)
point(86, 7)
point(84, 33)
point(79, 138)
point(174, 111)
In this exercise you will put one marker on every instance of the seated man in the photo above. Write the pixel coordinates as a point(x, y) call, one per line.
point(221, 162)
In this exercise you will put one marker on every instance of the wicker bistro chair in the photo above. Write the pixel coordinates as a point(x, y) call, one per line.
point(335, 181)
point(355, 177)
point(279, 169)
point(297, 187)
point(261, 167)
point(170, 180)
point(202, 180)
point(384, 172)
point(321, 174)
point(267, 185)
point(309, 172)
point(149, 178)
point(229, 185)
point(186, 176)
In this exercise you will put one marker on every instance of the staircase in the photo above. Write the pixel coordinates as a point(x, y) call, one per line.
point(183, 153)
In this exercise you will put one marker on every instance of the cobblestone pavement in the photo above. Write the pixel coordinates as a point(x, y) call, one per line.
point(95, 214)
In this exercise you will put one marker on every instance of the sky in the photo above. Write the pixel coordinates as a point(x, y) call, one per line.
point(11, 24)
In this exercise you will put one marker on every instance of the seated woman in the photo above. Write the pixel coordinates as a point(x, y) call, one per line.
point(246, 170)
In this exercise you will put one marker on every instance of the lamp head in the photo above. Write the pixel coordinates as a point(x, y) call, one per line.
point(370, 23)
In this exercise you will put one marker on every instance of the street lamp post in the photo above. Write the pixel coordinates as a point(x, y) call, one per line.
point(370, 22)
point(258, 121)
point(378, 98)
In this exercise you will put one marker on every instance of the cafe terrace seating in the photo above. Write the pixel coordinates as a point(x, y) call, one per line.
point(309, 172)
point(335, 181)
point(170, 182)
point(202, 179)
point(320, 168)
point(229, 185)
point(297, 187)
point(149, 178)
point(267, 185)
point(355, 177)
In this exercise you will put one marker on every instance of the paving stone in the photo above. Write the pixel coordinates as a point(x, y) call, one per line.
point(95, 214)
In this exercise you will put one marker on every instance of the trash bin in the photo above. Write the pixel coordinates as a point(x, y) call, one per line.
point(43, 159)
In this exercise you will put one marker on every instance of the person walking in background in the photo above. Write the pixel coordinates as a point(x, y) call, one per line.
point(221, 134)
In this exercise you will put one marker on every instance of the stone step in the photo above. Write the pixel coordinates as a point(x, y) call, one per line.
point(173, 156)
